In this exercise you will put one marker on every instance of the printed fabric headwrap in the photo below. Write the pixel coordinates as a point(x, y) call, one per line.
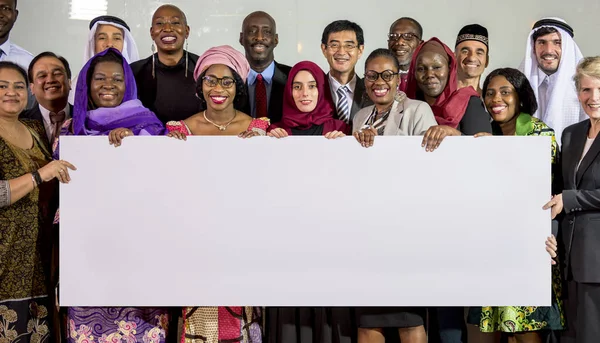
point(562, 108)
point(450, 106)
point(323, 114)
point(130, 114)
point(225, 55)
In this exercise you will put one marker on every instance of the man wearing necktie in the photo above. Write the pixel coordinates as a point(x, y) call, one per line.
point(267, 78)
point(50, 82)
point(342, 45)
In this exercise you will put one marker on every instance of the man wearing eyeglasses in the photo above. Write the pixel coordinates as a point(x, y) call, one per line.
point(342, 44)
point(404, 37)
point(267, 78)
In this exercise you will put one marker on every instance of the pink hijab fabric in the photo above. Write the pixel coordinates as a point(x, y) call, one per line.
point(225, 55)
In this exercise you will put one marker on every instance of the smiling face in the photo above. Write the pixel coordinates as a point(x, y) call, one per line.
point(343, 58)
point(13, 92)
point(259, 38)
point(381, 92)
point(50, 82)
point(218, 97)
point(108, 36)
point(432, 73)
point(589, 96)
point(8, 17)
point(169, 29)
point(107, 86)
point(404, 48)
point(501, 99)
point(548, 51)
point(305, 91)
point(471, 56)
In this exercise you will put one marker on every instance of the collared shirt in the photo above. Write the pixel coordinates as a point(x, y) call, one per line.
point(48, 124)
point(545, 83)
point(14, 53)
point(267, 75)
point(335, 84)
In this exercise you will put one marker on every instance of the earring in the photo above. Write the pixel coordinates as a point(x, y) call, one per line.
point(186, 57)
point(153, 48)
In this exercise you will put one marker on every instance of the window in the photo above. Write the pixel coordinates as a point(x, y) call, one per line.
point(87, 9)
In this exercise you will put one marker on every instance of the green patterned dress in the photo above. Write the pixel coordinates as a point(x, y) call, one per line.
point(525, 318)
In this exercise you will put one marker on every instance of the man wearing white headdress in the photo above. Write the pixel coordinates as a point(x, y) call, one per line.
point(108, 32)
point(550, 60)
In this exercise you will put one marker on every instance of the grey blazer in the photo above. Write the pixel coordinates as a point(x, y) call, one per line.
point(407, 118)
point(580, 229)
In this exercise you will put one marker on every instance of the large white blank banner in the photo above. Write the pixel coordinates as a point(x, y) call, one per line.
point(305, 221)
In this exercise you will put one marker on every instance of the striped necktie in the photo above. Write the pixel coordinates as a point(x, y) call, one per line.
point(342, 108)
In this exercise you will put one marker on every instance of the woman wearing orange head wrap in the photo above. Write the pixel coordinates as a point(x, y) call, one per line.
point(432, 79)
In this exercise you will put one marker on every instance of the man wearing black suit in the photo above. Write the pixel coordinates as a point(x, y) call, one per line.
point(267, 78)
point(50, 82)
point(342, 45)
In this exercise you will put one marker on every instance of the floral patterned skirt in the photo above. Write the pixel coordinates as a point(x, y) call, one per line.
point(24, 321)
point(223, 324)
point(117, 325)
point(522, 318)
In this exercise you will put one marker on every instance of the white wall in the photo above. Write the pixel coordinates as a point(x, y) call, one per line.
point(45, 25)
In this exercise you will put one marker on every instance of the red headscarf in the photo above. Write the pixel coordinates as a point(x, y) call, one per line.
point(450, 106)
point(323, 114)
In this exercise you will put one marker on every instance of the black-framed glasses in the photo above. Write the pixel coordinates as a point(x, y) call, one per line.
point(225, 81)
point(409, 36)
point(386, 75)
point(335, 46)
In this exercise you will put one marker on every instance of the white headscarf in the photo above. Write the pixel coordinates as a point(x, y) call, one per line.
point(562, 108)
point(130, 50)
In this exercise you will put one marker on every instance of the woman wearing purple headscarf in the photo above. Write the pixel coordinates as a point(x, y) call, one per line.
point(106, 104)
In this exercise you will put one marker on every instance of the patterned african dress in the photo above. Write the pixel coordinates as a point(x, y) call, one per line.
point(24, 252)
point(223, 324)
point(530, 318)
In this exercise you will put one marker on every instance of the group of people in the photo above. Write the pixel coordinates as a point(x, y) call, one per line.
point(413, 87)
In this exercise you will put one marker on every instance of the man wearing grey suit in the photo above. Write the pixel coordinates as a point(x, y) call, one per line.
point(342, 45)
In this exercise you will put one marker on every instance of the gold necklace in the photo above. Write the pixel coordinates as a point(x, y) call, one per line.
point(222, 127)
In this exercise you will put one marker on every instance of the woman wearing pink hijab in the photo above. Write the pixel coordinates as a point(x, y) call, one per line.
point(220, 75)
point(307, 105)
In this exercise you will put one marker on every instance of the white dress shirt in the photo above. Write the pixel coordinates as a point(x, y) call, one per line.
point(14, 53)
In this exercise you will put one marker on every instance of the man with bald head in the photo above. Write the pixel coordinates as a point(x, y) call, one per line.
point(404, 37)
point(267, 78)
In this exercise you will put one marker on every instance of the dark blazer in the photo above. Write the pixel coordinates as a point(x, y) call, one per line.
point(580, 230)
point(360, 98)
point(280, 77)
point(35, 114)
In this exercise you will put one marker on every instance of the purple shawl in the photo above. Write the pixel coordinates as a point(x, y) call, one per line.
point(131, 114)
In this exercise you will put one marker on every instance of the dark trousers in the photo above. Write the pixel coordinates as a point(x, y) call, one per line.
point(582, 313)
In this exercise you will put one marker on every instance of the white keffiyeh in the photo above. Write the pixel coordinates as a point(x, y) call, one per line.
point(562, 108)
point(130, 50)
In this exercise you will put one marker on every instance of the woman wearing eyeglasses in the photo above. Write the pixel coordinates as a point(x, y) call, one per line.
point(393, 113)
point(220, 75)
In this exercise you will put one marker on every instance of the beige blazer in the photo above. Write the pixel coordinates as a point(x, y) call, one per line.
point(407, 118)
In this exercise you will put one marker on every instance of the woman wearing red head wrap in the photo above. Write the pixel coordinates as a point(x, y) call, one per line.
point(432, 79)
point(307, 105)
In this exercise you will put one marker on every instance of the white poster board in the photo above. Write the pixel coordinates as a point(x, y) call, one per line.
point(305, 221)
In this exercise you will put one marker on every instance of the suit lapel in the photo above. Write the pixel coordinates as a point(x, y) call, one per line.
point(276, 101)
point(359, 91)
point(395, 118)
point(576, 143)
point(590, 156)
